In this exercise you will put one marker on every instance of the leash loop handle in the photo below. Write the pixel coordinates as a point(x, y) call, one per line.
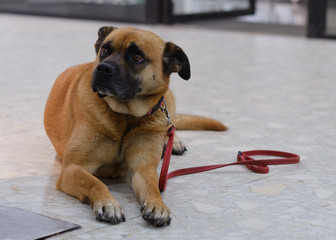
point(261, 166)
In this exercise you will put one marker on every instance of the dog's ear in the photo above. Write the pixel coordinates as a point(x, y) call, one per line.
point(175, 60)
point(102, 33)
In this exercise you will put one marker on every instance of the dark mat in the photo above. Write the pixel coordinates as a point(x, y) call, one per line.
point(21, 224)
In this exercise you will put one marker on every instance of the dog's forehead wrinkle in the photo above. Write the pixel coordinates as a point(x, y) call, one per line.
point(144, 40)
point(133, 46)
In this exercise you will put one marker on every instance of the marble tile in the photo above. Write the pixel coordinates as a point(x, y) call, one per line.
point(322, 193)
point(254, 223)
point(248, 206)
point(206, 208)
point(270, 190)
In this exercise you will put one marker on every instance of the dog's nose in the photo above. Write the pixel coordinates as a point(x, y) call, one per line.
point(107, 68)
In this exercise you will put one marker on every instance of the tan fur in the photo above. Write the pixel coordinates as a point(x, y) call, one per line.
point(189, 122)
point(108, 137)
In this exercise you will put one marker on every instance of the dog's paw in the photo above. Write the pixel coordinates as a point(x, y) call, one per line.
point(178, 147)
point(109, 211)
point(158, 215)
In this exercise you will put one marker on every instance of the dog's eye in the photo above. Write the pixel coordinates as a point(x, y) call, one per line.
point(137, 57)
point(104, 53)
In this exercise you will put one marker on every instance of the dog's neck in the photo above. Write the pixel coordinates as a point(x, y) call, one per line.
point(138, 107)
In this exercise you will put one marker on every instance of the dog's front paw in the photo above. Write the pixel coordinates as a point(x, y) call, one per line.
point(158, 215)
point(109, 211)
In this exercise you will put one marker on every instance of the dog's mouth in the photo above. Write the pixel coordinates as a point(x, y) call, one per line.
point(101, 95)
point(120, 94)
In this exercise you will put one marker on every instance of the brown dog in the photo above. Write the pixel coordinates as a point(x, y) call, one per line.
point(96, 118)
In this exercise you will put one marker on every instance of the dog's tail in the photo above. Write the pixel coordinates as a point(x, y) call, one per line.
point(190, 122)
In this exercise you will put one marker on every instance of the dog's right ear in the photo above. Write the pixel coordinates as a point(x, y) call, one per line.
point(102, 34)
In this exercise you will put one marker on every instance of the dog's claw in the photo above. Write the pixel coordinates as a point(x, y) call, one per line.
point(179, 148)
point(109, 211)
point(99, 216)
point(158, 216)
point(179, 151)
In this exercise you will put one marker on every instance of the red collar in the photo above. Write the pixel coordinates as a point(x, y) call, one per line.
point(156, 107)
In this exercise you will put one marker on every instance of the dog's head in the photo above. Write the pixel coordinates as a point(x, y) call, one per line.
point(133, 63)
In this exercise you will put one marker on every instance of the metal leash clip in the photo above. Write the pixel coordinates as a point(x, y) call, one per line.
point(166, 112)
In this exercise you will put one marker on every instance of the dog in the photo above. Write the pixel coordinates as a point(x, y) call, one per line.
point(102, 121)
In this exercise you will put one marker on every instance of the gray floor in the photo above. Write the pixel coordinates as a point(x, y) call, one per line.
point(273, 92)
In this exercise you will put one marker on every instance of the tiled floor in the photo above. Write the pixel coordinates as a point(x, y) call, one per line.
point(272, 92)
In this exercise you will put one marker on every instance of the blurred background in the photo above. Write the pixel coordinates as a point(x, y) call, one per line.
point(311, 18)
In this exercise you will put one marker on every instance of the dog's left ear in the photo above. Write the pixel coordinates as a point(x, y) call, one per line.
point(175, 60)
point(102, 34)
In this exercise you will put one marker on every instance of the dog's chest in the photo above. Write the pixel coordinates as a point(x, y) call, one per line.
point(117, 136)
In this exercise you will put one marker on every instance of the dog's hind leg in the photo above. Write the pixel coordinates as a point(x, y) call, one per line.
point(178, 147)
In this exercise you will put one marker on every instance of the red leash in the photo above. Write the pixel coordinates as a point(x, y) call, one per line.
point(243, 158)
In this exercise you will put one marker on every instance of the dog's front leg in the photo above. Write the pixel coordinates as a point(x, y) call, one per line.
point(83, 155)
point(78, 182)
point(143, 156)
